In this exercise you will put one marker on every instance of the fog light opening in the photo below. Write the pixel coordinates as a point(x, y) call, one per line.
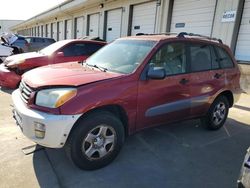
point(39, 130)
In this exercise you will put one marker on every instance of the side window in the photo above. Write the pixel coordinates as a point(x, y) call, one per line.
point(92, 48)
point(172, 57)
point(224, 59)
point(200, 55)
point(75, 50)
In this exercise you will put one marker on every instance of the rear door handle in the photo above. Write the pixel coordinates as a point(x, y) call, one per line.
point(184, 81)
point(217, 75)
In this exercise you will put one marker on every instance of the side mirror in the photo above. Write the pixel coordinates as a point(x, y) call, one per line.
point(60, 54)
point(156, 73)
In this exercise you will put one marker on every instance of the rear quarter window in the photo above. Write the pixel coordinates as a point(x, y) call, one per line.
point(224, 58)
point(92, 48)
point(50, 41)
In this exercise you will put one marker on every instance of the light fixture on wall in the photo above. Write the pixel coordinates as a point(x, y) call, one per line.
point(158, 3)
point(101, 5)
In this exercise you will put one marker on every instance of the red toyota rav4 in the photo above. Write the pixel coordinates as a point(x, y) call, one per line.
point(62, 51)
point(129, 85)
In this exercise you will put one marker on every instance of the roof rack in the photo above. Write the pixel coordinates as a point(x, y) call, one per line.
point(182, 35)
point(92, 38)
point(167, 33)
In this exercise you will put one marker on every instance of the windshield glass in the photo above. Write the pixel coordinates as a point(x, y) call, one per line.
point(53, 47)
point(122, 56)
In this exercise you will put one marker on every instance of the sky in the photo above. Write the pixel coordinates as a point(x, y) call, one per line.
point(24, 9)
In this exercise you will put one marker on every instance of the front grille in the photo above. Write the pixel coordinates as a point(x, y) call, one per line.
point(25, 91)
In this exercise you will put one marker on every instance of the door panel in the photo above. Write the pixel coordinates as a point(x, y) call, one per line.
point(144, 18)
point(161, 101)
point(68, 29)
point(79, 27)
point(94, 20)
point(114, 23)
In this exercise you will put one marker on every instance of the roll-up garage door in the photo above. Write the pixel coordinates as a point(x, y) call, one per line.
point(48, 30)
point(38, 31)
point(195, 16)
point(114, 23)
point(243, 43)
point(68, 30)
point(79, 27)
point(60, 30)
point(94, 22)
point(54, 31)
point(144, 18)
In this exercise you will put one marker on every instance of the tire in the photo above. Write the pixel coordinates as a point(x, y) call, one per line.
point(95, 141)
point(217, 114)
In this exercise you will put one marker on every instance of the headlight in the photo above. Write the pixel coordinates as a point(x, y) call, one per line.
point(53, 98)
point(14, 63)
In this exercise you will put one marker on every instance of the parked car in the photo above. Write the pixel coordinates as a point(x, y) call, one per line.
point(129, 85)
point(244, 179)
point(14, 66)
point(8, 46)
point(38, 43)
point(22, 43)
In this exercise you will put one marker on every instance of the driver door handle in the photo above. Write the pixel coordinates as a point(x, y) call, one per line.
point(184, 81)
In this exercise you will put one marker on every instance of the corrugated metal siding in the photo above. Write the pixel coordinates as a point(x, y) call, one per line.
point(114, 23)
point(144, 16)
point(197, 15)
point(243, 44)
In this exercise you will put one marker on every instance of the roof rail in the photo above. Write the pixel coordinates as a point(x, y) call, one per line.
point(182, 35)
point(167, 33)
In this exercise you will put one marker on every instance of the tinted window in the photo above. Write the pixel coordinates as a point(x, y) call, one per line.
point(75, 50)
point(39, 40)
point(200, 57)
point(92, 48)
point(50, 40)
point(224, 59)
point(172, 57)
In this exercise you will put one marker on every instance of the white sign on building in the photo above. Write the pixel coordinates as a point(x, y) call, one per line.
point(229, 16)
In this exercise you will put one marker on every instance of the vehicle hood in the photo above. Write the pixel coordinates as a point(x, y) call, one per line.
point(65, 74)
point(8, 38)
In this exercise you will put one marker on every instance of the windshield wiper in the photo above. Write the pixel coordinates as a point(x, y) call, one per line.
point(98, 67)
point(82, 62)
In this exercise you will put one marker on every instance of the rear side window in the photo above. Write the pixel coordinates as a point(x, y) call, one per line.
point(172, 57)
point(75, 50)
point(50, 40)
point(39, 40)
point(224, 59)
point(92, 48)
point(200, 56)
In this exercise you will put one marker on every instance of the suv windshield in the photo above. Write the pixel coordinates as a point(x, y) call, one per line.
point(122, 56)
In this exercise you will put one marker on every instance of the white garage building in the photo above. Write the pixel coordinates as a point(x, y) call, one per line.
point(111, 19)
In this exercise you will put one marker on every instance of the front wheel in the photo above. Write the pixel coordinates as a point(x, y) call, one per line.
point(217, 114)
point(95, 141)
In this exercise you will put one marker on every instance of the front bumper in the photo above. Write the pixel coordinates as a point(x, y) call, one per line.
point(8, 78)
point(57, 126)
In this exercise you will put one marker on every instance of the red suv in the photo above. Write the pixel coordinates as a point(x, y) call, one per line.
point(129, 85)
point(63, 51)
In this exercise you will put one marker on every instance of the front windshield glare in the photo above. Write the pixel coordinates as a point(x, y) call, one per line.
point(122, 56)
